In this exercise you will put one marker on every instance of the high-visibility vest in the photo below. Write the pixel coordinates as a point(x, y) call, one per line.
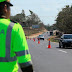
point(13, 47)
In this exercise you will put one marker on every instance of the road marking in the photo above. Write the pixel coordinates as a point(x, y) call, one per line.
point(62, 51)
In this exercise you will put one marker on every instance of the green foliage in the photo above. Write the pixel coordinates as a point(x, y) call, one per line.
point(54, 40)
point(64, 20)
point(51, 28)
point(19, 17)
point(33, 19)
point(29, 20)
point(48, 27)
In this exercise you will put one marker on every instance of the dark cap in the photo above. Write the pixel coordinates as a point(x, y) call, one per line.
point(7, 1)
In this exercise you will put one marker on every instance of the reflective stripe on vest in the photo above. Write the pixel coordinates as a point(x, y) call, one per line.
point(21, 53)
point(8, 45)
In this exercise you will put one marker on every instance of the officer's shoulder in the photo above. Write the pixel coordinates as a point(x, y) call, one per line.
point(13, 21)
point(17, 25)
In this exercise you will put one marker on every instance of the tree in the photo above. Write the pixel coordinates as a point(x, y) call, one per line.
point(64, 20)
point(30, 20)
point(19, 17)
point(33, 19)
point(48, 27)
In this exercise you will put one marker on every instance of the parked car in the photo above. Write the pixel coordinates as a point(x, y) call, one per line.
point(41, 37)
point(65, 40)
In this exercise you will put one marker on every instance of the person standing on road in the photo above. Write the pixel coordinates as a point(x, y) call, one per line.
point(13, 44)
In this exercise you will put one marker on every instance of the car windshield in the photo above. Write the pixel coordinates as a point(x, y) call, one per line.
point(68, 37)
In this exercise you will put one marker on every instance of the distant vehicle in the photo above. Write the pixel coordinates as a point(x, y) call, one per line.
point(65, 41)
point(47, 32)
point(50, 33)
point(41, 37)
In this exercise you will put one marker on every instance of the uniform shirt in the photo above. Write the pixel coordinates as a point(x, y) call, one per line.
point(18, 47)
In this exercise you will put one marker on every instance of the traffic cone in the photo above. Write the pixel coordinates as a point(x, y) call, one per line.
point(49, 46)
point(26, 38)
point(38, 41)
point(34, 39)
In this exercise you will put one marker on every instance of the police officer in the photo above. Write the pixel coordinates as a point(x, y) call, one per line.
point(13, 45)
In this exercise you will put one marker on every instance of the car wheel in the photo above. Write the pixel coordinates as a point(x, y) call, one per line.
point(59, 45)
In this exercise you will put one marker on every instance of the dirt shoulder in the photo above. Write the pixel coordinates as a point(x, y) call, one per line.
point(34, 35)
point(53, 39)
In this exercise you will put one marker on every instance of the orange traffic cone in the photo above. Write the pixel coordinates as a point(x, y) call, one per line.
point(34, 39)
point(38, 41)
point(49, 46)
point(26, 38)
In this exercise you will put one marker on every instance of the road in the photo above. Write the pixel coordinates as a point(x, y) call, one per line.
point(54, 59)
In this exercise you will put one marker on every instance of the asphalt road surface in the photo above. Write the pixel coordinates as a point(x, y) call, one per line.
point(54, 59)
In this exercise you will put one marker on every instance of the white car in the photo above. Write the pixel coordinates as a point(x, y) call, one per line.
point(41, 37)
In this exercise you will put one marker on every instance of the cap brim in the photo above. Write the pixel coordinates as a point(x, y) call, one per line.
point(10, 4)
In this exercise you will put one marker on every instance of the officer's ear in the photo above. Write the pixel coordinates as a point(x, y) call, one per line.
point(5, 8)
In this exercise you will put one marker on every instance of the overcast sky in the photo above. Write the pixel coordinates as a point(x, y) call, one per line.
point(47, 10)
